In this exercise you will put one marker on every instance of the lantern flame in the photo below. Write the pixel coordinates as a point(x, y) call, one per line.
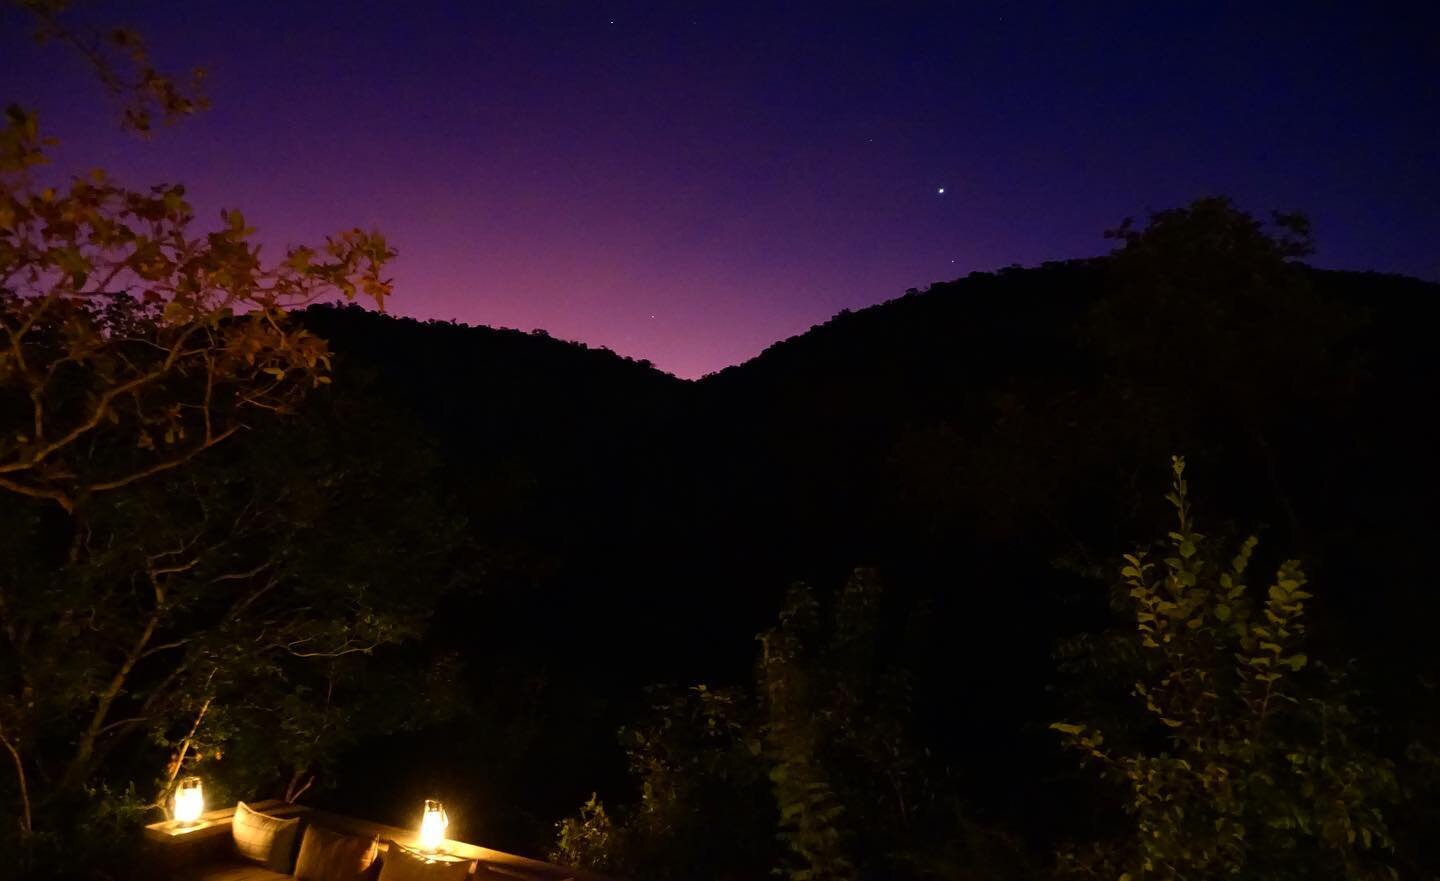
point(433, 825)
point(189, 801)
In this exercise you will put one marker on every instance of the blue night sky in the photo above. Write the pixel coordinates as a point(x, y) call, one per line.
point(688, 182)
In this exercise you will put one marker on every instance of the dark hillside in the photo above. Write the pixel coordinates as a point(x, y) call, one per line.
point(817, 416)
point(982, 443)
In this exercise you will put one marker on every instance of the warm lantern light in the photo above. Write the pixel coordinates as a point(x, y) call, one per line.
point(189, 801)
point(433, 825)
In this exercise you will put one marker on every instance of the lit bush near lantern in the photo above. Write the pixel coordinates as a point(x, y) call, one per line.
point(433, 825)
point(189, 801)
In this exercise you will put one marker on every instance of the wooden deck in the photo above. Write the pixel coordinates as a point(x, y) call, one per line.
point(203, 853)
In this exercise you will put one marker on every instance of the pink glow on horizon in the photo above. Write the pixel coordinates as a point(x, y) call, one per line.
point(690, 183)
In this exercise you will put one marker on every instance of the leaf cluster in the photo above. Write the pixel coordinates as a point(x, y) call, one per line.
point(130, 341)
point(1251, 764)
point(812, 772)
point(120, 60)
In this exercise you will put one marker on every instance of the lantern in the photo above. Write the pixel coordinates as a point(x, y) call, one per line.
point(433, 825)
point(189, 801)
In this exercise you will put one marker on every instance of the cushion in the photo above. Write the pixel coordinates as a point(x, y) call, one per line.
point(261, 838)
point(403, 864)
point(332, 856)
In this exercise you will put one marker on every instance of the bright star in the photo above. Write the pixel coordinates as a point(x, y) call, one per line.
point(941, 191)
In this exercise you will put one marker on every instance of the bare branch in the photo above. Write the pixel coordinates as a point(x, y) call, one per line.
point(104, 486)
point(61, 498)
point(26, 823)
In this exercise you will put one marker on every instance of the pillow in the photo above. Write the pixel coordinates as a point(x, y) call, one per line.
point(331, 856)
point(263, 839)
point(403, 864)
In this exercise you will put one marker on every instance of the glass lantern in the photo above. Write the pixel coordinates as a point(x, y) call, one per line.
point(189, 801)
point(433, 824)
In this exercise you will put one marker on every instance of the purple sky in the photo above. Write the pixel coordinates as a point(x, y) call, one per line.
point(689, 182)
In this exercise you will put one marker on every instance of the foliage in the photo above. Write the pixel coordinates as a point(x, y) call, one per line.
point(815, 687)
point(132, 342)
point(221, 619)
point(1253, 766)
point(120, 60)
point(812, 815)
point(588, 838)
point(163, 611)
point(696, 757)
point(817, 759)
point(1201, 330)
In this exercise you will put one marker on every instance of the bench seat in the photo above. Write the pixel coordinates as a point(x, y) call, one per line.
point(226, 870)
point(204, 852)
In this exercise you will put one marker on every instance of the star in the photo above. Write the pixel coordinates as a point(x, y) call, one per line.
point(940, 192)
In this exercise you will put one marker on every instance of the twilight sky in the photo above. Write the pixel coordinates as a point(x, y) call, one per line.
point(688, 182)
